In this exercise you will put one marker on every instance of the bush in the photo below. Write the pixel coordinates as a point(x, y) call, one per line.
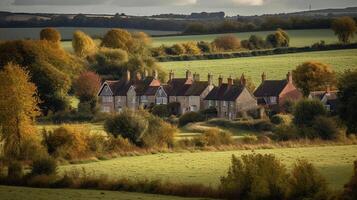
point(325, 128)
point(159, 133)
point(306, 182)
point(255, 177)
point(128, 124)
point(15, 170)
point(306, 110)
point(350, 191)
point(191, 48)
point(205, 47)
point(160, 110)
point(281, 119)
point(66, 141)
point(44, 166)
point(209, 113)
point(227, 42)
point(285, 132)
point(190, 117)
point(249, 139)
point(215, 137)
point(31, 148)
point(118, 144)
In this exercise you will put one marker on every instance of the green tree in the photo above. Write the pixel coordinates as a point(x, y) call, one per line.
point(347, 96)
point(254, 177)
point(83, 44)
point(344, 28)
point(306, 110)
point(18, 106)
point(118, 39)
point(311, 76)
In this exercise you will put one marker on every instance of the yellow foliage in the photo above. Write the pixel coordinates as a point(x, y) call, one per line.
point(83, 44)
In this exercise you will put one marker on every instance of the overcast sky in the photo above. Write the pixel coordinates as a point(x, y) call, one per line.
point(149, 7)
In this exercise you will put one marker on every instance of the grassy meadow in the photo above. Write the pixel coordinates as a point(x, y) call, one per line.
point(275, 66)
point(334, 162)
point(21, 193)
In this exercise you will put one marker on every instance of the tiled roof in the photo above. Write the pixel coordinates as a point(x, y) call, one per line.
point(121, 87)
point(179, 86)
point(151, 90)
point(270, 88)
point(225, 93)
point(196, 88)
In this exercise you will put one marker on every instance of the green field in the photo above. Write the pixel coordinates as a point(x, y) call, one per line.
point(335, 163)
point(275, 66)
point(20, 193)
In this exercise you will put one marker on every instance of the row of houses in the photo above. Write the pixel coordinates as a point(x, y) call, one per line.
point(190, 93)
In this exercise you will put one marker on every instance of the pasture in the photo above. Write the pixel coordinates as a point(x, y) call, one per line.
point(334, 162)
point(21, 193)
point(275, 66)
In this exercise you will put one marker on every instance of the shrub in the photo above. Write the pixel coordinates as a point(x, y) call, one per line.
point(118, 144)
point(66, 141)
point(159, 133)
point(191, 48)
point(306, 182)
point(285, 132)
point(128, 124)
point(227, 42)
point(306, 110)
point(161, 111)
point(205, 47)
point(215, 137)
point(44, 166)
point(190, 117)
point(249, 139)
point(255, 176)
point(325, 127)
point(15, 170)
point(281, 119)
point(96, 143)
point(31, 148)
point(209, 113)
point(178, 49)
point(350, 191)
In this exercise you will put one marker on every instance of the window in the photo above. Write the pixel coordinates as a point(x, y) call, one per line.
point(273, 100)
point(210, 103)
point(231, 104)
point(144, 98)
point(193, 108)
point(161, 100)
point(107, 99)
point(106, 109)
point(224, 103)
point(216, 103)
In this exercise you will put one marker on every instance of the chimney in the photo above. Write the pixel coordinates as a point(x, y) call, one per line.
point(210, 79)
point(243, 80)
point(138, 76)
point(155, 74)
point(146, 73)
point(230, 81)
point(264, 77)
point(220, 80)
point(289, 77)
point(171, 75)
point(328, 89)
point(188, 74)
point(127, 78)
point(196, 77)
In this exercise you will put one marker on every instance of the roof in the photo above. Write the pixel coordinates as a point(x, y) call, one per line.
point(225, 93)
point(179, 86)
point(270, 88)
point(317, 94)
point(196, 88)
point(151, 90)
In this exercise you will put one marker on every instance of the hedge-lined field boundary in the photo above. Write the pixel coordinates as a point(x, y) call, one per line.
point(265, 52)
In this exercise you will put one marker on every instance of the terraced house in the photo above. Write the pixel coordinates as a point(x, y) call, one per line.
point(230, 99)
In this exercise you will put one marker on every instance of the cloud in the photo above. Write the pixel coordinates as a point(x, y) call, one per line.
point(124, 3)
point(249, 2)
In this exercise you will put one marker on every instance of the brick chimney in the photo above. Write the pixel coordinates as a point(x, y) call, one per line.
point(264, 77)
point(171, 75)
point(289, 77)
point(220, 80)
point(196, 77)
point(188, 74)
point(127, 77)
point(210, 79)
point(243, 80)
point(155, 74)
point(138, 76)
point(230, 81)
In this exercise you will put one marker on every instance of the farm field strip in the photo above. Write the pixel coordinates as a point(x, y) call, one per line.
point(334, 162)
point(275, 66)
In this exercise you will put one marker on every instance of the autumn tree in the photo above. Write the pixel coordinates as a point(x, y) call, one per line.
point(227, 42)
point(83, 44)
point(347, 87)
point(278, 39)
point(191, 48)
point(86, 87)
point(344, 28)
point(118, 39)
point(18, 108)
point(51, 35)
point(313, 76)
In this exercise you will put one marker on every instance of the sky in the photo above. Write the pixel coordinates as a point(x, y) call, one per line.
point(150, 7)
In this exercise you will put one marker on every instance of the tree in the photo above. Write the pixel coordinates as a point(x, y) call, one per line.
point(306, 182)
point(128, 124)
point(306, 110)
point(227, 42)
point(347, 96)
point(118, 39)
point(83, 44)
point(51, 35)
point(255, 176)
point(344, 28)
point(18, 106)
point(191, 48)
point(278, 39)
point(178, 49)
point(311, 76)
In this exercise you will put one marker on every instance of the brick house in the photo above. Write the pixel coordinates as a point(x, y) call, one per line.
point(230, 99)
point(188, 92)
point(273, 93)
point(141, 91)
point(328, 98)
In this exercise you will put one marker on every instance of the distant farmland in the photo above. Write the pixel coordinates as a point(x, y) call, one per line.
point(275, 66)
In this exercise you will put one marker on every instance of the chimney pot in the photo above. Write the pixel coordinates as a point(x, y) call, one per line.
point(171, 75)
point(220, 80)
point(289, 77)
point(155, 74)
point(243, 80)
point(210, 79)
point(188, 74)
point(230, 81)
point(196, 77)
point(127, 78)
point(264, 77)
